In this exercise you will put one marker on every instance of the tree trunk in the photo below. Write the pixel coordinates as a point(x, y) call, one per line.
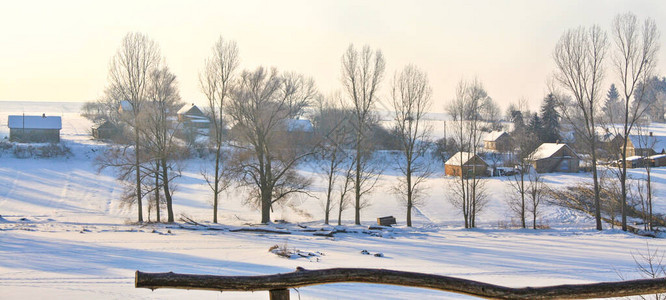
point(357, 188)
point(167, 192)
point(157, 191)
point(595, 178)
point(409, 194)
point(137, 166)
point(522, 197)
point(329, 191)
point(649, 196)
point(216, 185)
point(265, 206)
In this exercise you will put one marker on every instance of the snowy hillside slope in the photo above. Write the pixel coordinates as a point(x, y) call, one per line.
point(64, 234)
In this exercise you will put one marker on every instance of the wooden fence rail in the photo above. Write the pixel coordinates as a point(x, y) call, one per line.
point(278, 285)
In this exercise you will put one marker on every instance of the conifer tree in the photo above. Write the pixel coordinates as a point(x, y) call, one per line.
point(550, 120)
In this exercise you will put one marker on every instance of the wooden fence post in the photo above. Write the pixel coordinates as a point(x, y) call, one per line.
point(280, 294)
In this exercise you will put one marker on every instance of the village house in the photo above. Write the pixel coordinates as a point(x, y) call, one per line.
point(608, 140)
point(645, 145)
point(497, 141)
point(554, 157)
point(104, 130)
point(34, 129)
point(191, 116)
point(465, 163)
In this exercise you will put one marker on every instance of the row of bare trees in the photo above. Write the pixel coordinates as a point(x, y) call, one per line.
point(580, 56)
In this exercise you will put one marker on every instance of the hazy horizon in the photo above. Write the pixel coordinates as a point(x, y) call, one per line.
point(60, 51)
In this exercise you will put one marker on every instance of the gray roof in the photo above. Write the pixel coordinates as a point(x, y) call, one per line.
point(34, 122)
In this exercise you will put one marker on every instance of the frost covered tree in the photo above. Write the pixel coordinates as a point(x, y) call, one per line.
point(410, 95)
point(216, 82)
point(467, 192)
point(159, 127)
point(635, 50)
point(266, 155)
point(129, 76)
point(334, 132)
point(579, 56)
point(519, 197)
point(362, 73)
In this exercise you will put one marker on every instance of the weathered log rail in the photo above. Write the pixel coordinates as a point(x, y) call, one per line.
point(278, 285)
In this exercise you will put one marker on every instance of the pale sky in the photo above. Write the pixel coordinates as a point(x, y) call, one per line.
point(60, 50)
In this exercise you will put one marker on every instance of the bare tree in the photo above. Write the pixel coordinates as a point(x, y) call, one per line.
point(645, 141)
point(159, 128)
point(634, 58)
point(261, 106)
point(525, 144)
point(411, 94)
point(215, 82)
point(333, 131)
point(537, 192)
point(129, 74)
point(362, 74)
point(345, 187)
point(468, 193)
point(579, 56)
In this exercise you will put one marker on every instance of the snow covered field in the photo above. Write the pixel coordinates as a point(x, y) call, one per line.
point(63, 234)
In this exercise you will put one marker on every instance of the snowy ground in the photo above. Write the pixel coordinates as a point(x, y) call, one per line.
point(63, 234)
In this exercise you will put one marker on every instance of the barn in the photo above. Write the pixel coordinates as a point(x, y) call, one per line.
point(465, 163)
point(34, 129)
point(554, 157)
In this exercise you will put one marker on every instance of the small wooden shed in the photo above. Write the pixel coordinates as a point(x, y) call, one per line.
point(104, 130)
point(34, 129)
point(465, 163)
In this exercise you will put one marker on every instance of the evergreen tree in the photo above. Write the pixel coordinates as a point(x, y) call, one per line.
point(518, 122)
point(535, 126)
point(612, 108)
point(550, 120)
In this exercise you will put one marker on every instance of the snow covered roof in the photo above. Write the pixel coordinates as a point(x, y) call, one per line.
point(547, 150)
point(657, 156)
point(294, 125)
point(493, 135)
point(466, 157)
point(35, 122)
point(658, 143)
point(189, 109)
point(634, 158)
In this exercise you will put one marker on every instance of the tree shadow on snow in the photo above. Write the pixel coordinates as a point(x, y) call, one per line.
point(67, 257)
